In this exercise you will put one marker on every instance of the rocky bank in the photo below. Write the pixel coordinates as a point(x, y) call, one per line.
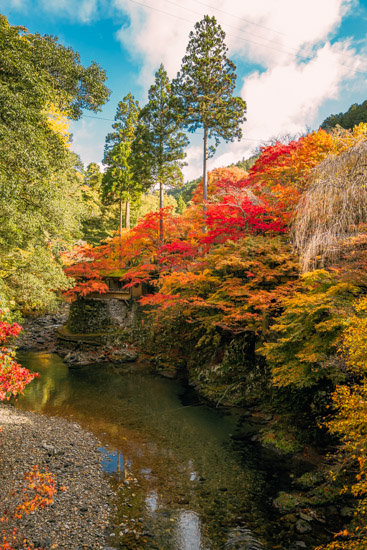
point(78, 518)
point(48, 332)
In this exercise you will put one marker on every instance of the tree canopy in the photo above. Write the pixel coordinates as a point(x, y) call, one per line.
point(119, 181)
point(204, 88)
point(356, 114)
point(42, 86)
point(159, 144)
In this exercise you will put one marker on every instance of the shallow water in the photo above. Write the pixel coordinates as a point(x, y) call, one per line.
point(183, 483)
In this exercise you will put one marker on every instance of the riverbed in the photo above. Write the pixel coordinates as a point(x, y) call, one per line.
point(185, 479)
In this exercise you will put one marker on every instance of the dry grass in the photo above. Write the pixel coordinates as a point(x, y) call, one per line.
point(333, 208)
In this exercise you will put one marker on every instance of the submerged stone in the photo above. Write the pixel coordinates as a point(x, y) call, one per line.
point(303, 526)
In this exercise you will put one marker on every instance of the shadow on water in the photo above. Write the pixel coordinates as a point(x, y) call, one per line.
point(182, 483)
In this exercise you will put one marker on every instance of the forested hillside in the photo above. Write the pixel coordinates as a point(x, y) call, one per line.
point(355, 115)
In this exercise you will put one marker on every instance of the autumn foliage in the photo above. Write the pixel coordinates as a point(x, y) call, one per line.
point(227, 300)
point(13, 377)
point(38, 492)
point(39, 487)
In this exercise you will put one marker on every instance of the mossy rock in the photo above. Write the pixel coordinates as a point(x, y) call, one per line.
point(89, 316)
point(286, 503)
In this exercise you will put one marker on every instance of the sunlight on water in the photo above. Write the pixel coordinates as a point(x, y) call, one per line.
point(151, 501)
point(188, 532)
point(181, 483)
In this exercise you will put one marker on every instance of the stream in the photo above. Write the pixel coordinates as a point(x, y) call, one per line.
point(184, 480)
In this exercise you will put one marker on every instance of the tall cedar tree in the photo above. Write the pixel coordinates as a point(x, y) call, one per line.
point(204, 89)
point(159, 144)
point(119, 183)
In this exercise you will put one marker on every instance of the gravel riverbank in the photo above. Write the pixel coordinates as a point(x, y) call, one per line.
point(78, 518)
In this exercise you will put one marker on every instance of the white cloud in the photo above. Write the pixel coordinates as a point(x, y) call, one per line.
point(154, 38)
point(265, 32)
point(286, 99)
point(287, 28)
point(290, 40)
point(194, 161)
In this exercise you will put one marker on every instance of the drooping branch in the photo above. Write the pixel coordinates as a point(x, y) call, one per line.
point(333, 209)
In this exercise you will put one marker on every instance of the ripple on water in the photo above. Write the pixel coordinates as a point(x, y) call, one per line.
point(181, 483)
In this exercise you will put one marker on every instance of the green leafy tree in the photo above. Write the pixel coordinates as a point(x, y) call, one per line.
point(150, 202)
point(93, 176)
point(119, 181)
point(181, 205)
point(186, 191)
point(247, 163)
point(92, 191)
point(204, 88)
point(42, 86)
point(159, 144)
point(101, 219)
point(307, 335)
point(37, 73)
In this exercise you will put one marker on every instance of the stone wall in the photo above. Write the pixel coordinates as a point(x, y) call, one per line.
point(91, 316)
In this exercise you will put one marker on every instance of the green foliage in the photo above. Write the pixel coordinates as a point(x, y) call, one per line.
point(102, 220)
point(93, 176)
point(282, 436)
point(159, 144)
point(41, 84)
point(348, 470)
point(307, 333)
point(246, 164)
point(120, 183)
point(287, 502)
point(35, 72)
point(149, 202)
point(206, 82)
point(355, 115)
point(204, 88)
point(181, 205)
point(37, 275)
point(186, 192)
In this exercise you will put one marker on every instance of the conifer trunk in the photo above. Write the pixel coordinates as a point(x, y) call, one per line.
point(120, 224)
point(161, 234)
point(127, 215)
point(205, 175)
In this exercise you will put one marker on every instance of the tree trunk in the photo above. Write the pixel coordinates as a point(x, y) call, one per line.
point(127, 215)
point(205, 176)
point(120, 225)
point(161, 234)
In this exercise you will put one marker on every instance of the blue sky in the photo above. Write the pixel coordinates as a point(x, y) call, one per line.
point(297, 60)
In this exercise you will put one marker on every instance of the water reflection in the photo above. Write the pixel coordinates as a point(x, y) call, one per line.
point(151, 501)
point(188, 531)
point(112, 462)
point(182, 487)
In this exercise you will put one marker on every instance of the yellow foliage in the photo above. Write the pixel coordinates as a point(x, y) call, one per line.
point(355, 339)
point(58, 122)
point(350, 425)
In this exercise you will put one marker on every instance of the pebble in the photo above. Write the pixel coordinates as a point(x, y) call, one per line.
point(79, 515)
